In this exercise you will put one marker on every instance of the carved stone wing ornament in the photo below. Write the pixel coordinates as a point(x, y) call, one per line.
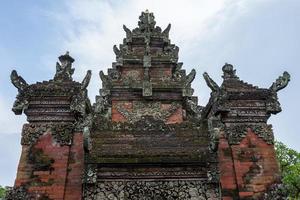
point(211, 83)
point(190, 77)
point(18, 81)
point(281, 82)
point(85, 82)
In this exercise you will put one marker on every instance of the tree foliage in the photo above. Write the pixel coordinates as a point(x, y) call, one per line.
point(2, 192)
point(289, 161)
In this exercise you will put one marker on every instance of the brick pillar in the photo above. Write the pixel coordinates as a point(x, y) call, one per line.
point(247, 160)
point(227, 170)
point(73, 190)
point(52, 159)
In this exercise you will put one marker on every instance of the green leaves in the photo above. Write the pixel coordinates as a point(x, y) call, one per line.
point(2, 192)
point(289, 161)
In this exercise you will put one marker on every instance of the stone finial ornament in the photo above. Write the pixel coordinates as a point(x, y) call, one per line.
point(281, 82)
point(229, 72)
point(64, 70)
point(147, 22)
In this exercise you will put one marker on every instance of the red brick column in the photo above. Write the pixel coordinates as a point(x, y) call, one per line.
point(227, 171)
point(247, 168)
point(75, 168)
point(51, 170)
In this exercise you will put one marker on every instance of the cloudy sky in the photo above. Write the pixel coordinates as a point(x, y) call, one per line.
point(259, 37)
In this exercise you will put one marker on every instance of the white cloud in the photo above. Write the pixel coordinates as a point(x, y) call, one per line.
point(91, 28)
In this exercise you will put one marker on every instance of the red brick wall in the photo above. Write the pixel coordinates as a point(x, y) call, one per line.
point(64, 175)
point(248, 168)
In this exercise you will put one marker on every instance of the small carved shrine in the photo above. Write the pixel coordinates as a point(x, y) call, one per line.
point(146, 137)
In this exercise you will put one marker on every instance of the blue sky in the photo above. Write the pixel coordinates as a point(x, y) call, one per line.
point(259, 37)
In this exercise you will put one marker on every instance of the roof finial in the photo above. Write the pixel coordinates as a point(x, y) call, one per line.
point(147, 22)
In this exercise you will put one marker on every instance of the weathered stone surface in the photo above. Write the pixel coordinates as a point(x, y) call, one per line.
point(148, 190)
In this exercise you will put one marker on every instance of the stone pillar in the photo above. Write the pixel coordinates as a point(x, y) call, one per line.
point(52, 159)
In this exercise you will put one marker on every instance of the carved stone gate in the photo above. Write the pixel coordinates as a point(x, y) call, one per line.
point(146, 137)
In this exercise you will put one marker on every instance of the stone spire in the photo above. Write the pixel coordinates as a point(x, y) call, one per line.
point(64, 70)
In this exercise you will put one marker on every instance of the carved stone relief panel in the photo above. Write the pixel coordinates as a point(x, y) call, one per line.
point(150, 190)
point(235, 133)
point(157, 110)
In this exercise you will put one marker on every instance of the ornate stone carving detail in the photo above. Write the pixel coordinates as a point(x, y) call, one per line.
point(235, 133)
point(61, 132)
point(276, 191)
point(265, 132)
point(281, 82)
point(90, 174)
point(211, 83)
point(215, 126)
point(32, 132)
point(152, 109)
point(149, 190)
point(64, 70)
point(21, 102)
point(192, 108)
point(17, 193)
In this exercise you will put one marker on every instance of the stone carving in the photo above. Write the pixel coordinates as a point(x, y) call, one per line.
point(81, 106)
point(211, 83)
point(21, 102)
point(114, 74)
point(128, 32)
point(64, 70)
point(193, 109)
point(213, 175)
point(85, 82)
point(229, 72)
point(18, 81)
point(106, 83)
point(32, 132)
point(215, 126)
point(141, 109)
point(276, 191)
point(90, 174)
point(149, 190)
point(17, 193)
point(147, 89)
point(265, 132)
point(235, 133)
point(155, 172)
point(177, 75)
point(117, 51)
point(62, 132)
point(281, 82)
point(167, 30)
point(147, 22)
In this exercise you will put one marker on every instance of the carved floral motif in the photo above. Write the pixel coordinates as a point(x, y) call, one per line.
point(141, 109)
point(235, 133)
point(61, 132)
point(149, 190)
